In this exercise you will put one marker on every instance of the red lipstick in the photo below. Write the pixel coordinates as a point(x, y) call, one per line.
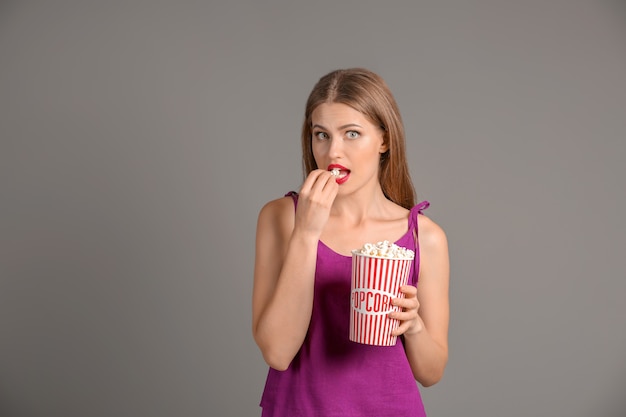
point(344, 173)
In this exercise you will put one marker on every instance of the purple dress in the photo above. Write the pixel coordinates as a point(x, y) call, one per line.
point(333, 377)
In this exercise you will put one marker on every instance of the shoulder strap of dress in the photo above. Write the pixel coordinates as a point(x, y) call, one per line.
point(294, 196)
point(417, 209)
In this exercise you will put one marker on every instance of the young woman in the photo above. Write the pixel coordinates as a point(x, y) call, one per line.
point(301, 296)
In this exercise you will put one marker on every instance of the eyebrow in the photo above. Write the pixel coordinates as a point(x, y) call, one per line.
point(340, 127)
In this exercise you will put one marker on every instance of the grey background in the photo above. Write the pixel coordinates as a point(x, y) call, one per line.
point(140, 139)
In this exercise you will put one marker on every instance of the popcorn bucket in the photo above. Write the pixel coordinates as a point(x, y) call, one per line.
point(375, 282)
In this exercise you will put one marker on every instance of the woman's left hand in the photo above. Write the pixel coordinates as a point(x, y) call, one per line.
point(410, 321)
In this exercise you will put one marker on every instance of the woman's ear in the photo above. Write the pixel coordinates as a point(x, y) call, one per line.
point(384, 146)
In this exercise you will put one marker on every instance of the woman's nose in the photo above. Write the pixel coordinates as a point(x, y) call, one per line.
point(335, 147)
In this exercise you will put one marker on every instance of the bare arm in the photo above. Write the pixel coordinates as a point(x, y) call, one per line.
point(284, 271)
point(427, 308)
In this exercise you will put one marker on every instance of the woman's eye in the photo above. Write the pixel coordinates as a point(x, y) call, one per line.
point(321, 135)
point(352, 134)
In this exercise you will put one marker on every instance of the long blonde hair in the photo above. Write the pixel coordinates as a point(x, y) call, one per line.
point(367, 93)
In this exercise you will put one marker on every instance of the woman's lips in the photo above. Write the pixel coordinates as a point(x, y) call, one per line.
point(340, 172)
point(343, 177)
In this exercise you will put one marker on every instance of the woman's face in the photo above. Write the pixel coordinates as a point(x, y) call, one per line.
point(344, 139)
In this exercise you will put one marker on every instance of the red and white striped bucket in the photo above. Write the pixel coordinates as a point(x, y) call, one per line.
point(375, 282)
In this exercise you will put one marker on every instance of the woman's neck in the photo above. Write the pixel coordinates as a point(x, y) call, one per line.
point(361, 205)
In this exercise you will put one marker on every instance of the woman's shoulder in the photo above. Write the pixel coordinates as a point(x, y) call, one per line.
point(430, 233)
point(278, 213)
point(278, 206)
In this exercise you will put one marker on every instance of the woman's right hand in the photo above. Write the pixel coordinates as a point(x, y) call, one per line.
point(315, 200)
